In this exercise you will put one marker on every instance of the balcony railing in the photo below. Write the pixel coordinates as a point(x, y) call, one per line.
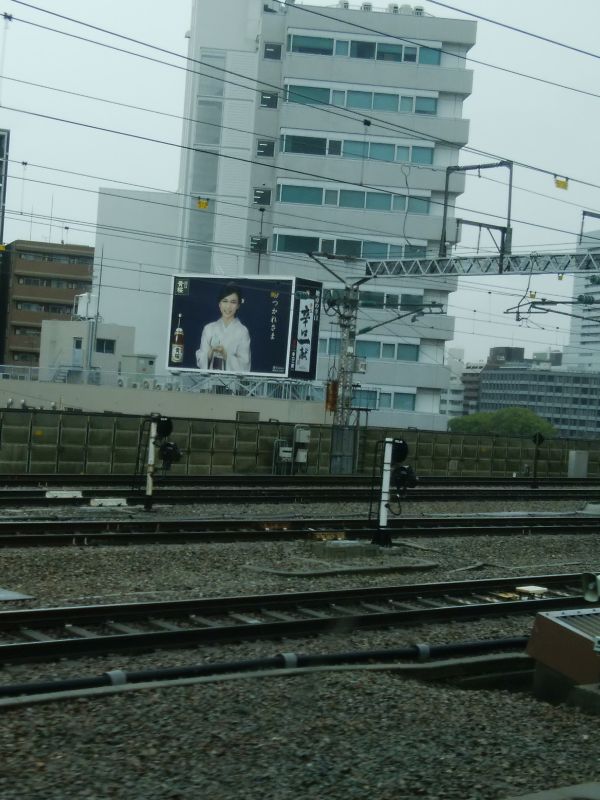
point(281, 388)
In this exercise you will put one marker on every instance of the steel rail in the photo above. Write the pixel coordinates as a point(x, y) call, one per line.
point(72, 631)
point(313, 494)
point(80, 533)
point(77, 480)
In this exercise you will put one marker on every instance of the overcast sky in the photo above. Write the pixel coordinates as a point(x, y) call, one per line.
point(512, 117)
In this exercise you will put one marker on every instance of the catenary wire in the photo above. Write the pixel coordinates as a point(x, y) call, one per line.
point(409, 41)
point(517, 30)
point(254, 207)
point(356, 115)
point(317, 13)
point(401, 165)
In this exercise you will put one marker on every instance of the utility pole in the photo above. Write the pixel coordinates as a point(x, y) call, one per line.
point(506, 230)
point(260, 250)
point(344, 304)
point(347, 312)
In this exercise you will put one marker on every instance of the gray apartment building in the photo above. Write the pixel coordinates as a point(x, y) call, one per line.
point(566, 398)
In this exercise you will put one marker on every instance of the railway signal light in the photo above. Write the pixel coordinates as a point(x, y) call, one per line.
point(169, 454)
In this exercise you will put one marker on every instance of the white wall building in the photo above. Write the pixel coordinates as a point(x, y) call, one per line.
point(583, 350)
point(318, 129)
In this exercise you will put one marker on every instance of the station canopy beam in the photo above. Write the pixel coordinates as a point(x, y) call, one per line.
point(528, 264)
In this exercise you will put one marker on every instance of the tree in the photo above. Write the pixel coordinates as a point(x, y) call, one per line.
point(516, 421)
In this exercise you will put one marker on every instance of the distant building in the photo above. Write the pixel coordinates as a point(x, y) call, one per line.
point(88, 351)
point(4, 140)
point(462, 395)
point(566, 398)
point(583, 351)
point(38, 281)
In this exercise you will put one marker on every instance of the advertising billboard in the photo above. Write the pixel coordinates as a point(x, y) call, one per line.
point(263, 326)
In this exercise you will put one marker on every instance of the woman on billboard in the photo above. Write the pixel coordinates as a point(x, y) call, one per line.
point(225, 344)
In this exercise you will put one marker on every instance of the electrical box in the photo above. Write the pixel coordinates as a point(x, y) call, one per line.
point(302, 436)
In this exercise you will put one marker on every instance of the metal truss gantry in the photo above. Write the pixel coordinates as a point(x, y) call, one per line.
point(529, 264)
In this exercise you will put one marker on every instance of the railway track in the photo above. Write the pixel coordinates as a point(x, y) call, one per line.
point(78, 480)
point(248, 494)
point(82, 533)
point(75, 631)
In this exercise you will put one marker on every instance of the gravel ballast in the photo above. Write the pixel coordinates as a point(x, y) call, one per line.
point(352, 734)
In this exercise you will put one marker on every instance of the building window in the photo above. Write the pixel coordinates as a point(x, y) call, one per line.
point(309, 145)
point(25, 358)
point(265, 148)
point(385, 400)
point(362, 49)
point(285, 243)
point(414, 251)
point(389, 52)
point(425, 105)
point(356, 99)
point(408, 352)
point(368, 349)
point(379, 202)
point(388, 350)
point(385, 102)
point(418, 205)
point(370, 250)
point(410, 300)
point(355, 149)
point(334, 347)
point(375, 250)
point(105, 346)
point(352, 198)
point(268, 99)
point(429, 55)
point(404, 401)
point(272, 51)
point(309, 195)
point(364, 398)
point(382, 152)
point(371, 299)
point(19, 331)
point(422, 155)
point(312, 45)
point(308, 95)
point(77, 343)
point(348, 247)
point(382, 51)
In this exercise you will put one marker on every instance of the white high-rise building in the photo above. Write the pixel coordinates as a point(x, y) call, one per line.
point(583, 350)
point(327, 129)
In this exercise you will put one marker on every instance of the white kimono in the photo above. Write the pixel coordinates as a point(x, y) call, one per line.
point(233, 337)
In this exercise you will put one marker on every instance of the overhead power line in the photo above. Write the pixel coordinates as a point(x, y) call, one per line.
point(404, 39)
point(310, 11)
point(328, 107)
point(517, 30)
point(297, 172)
